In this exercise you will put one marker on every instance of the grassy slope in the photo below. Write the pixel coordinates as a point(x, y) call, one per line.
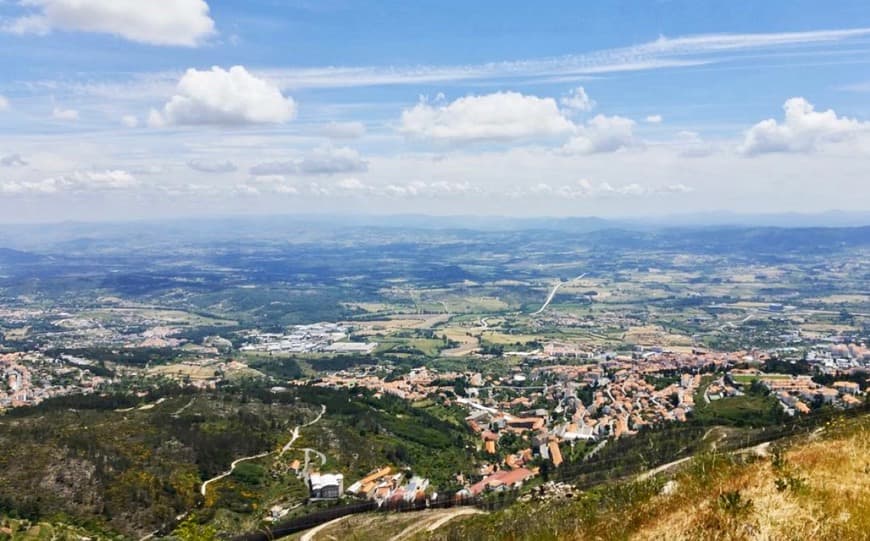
point(823, 493)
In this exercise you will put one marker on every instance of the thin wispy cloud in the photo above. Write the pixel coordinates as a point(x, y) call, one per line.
point(664, 52)
point(661, 53)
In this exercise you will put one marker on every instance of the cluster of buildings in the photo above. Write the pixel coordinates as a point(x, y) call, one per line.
point(26, 379)
point(388, 486)
point(418, 384)
point(506, 479)
point(839, 357)
point(797, 394)
point(547, 405)
point(318, 337)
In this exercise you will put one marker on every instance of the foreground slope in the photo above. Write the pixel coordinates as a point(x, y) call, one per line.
point(814, 487)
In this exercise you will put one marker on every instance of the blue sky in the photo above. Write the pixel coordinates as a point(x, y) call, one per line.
point(122, 109)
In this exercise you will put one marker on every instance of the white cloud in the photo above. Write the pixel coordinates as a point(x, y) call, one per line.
point(147, 170)
point(343, 130)
point(322, 161)
point(131, 121)
point(856, 87)
point(716, 43)
point(224, 97)
point(4, 103)
point(803, 130)
point(79, 181)
point(578, 100)
point(691, 145)
point(674, 188)
point(203, 166)
point(602, 134)
point(585, 189)
point(175, 22)
point(351, 184)
point(47, 186)
point(12, 160)
point(654, 119)
point(664, 52)
point(276, 184)
point(65, 114)
point(418, 188)
point(114, 179)
point(493, 117)
point(353, 187)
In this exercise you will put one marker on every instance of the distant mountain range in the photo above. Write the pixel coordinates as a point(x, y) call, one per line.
point(81, 234)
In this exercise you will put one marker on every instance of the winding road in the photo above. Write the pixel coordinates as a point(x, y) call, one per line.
point(184, 407)
point(235, 463)
point(296, 430)
point(204, 488)
point(554, 291)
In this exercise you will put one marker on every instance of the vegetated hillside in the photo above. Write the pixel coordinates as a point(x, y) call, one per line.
point(121, 467)
point(112, 467)
point(807, 488)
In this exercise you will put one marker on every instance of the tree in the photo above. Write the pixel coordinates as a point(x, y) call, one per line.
point(459, 387)
point(190, 530)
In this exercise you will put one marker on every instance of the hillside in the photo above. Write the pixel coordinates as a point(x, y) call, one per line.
point(122, 467)
point(812, 487)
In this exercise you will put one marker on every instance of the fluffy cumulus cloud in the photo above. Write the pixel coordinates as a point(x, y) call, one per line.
point(602, 134)
point(219, 166)
point(79, 181)
point(501, 116)
point(322, 161)
point(12, 160)
point(803, 130)
point(65, 114)
point(578, 100)
point(231, 97)
point(176, 22)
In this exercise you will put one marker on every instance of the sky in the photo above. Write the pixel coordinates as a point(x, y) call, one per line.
point(125, 109)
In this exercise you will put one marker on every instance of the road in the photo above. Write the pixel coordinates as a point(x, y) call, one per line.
point(142, 407)
point(480, 406)
point(554, 291)
point(204, 488)
point(432, 520)
point(296, 430)
point(741, 322)
point(308, 453)
point(457, 513)
point(184, 407)
point(309, 535)
point(761, 450)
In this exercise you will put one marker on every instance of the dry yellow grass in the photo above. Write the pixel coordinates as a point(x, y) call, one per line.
point(830, 498)
point(817, 488)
